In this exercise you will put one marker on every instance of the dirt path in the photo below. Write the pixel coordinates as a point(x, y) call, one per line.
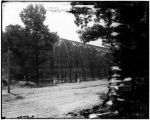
point(53, 101)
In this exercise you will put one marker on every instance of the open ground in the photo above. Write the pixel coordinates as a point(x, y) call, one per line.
point(52, 101)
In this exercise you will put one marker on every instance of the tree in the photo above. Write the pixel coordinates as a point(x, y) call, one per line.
point(123, 27)
point(127, 35)
point(13, 38)
point(33, 17)
point(9, 41)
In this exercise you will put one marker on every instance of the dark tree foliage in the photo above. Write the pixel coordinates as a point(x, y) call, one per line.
point(33, 17)
point(130, 44)
point(132, 31)
point(17, 40)
point(29, 45)
point(124, 28)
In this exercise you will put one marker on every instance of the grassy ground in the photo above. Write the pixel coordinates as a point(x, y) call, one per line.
point(51, 101)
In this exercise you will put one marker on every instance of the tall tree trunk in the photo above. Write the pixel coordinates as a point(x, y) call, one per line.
point(70, 71)
point(36, 69)
point(65, 79)
point(93, 66)
point(91, 70)
point(62, 77)
point(8, 60)
point(54, 63)
point(84, 74)
point(98, 68)
point(36, 62)
point(61, 67)
point(76, 74)
point(49, 66)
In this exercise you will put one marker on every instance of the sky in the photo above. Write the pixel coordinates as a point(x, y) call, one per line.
point(57, 19)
